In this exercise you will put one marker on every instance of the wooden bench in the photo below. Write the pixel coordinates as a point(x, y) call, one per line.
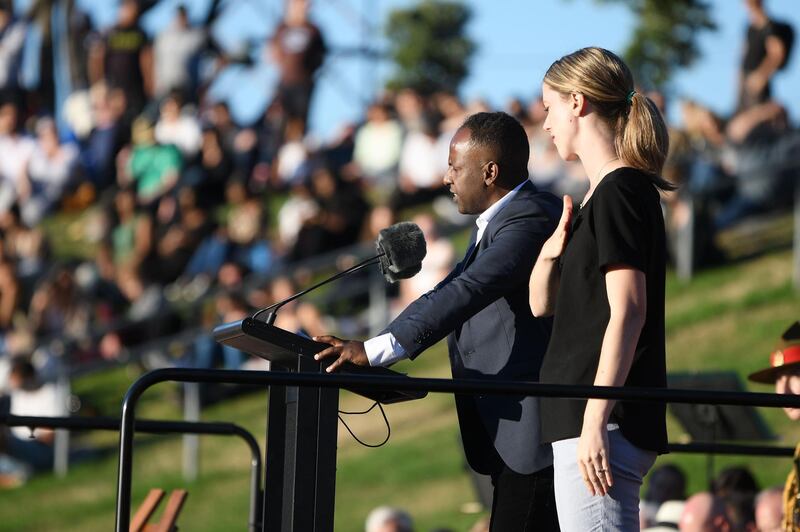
point(148, 507)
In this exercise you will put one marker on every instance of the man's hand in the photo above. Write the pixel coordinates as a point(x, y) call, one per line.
point(343, 350)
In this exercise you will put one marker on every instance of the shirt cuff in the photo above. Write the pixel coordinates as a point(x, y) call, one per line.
point(384, 350)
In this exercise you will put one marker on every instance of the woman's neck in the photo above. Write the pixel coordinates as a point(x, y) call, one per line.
point(598, 159)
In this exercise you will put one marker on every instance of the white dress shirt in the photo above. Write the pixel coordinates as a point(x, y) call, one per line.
point(384, 350)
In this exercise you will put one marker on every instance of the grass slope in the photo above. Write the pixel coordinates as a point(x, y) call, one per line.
point(727, 319)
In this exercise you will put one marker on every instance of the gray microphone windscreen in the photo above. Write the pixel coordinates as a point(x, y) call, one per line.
point(403, 246)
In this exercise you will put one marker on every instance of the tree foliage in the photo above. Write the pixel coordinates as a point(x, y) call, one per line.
point(428, 45)
point(665, 38)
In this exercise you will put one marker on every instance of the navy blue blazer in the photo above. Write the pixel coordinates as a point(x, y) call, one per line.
point(483, 306)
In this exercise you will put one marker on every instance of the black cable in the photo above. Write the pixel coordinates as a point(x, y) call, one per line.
point(385, 419)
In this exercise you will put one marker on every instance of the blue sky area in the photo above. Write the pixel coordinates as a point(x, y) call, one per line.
point(517, 40)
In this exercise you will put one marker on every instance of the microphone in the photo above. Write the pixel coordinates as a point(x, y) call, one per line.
point(400, 247)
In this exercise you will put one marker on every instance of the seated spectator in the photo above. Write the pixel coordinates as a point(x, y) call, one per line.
point(667, 517)
point(178, 128)
point(15, 153)
point(769, 510)
point(179, 229)
point(26, 246)
point(153, 168)
point(298, 210)
point(419, 179)
point(665, 483)
point(388, 519)
point(147, 318)
point(22, 451)
point(298, 316)
point(783, 373)
point(239, 143)
point(207, 353)
point(59, 309)
point(9, 294)
point(437, 263)
point(411, 110)
point(237, 245)
point(128, 241)
point(47, 175)
point(737, 488)
point(292, 157)
point(378, 144)
point(208, 175)
point(246, 230)
point(338, 221)
point(110, 134)
point(704, 512)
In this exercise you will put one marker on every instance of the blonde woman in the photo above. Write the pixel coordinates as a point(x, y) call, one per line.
point(601, 274)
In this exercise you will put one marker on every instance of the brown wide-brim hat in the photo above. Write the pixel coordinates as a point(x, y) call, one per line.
point(785, 356)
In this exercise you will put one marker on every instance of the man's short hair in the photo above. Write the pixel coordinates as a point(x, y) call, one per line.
point(505, 136)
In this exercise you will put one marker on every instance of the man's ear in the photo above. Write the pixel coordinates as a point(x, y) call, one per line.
point(490, 173)
point(579, 105)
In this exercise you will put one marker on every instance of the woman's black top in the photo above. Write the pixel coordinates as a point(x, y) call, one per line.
point(621, 224)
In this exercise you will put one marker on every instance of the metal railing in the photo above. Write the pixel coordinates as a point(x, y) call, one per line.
point(400, 383)
point(161, 427)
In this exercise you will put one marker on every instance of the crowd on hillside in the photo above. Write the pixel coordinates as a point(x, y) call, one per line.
point(179, 205)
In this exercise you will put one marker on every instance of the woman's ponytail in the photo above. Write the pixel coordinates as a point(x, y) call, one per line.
point(642, 139)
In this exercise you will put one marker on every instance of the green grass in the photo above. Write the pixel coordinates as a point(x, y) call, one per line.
point(726, 319)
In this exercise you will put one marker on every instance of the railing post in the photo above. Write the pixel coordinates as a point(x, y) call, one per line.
point(191, 442)
point(61, 437)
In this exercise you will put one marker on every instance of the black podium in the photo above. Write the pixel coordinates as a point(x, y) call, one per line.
point(302, 423)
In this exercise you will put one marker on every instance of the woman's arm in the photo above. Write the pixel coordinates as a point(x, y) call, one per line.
point(627, 300)
point(545, 277)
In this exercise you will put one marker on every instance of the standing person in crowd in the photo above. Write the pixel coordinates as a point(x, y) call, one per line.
point(174, 52)
point(482, 307)
point(767, 46)
point(124, 58)
point(298, 50)
point(784, 373)
point(602, 276)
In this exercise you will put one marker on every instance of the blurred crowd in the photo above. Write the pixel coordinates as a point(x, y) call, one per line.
point(734, 502)
point(136, 207)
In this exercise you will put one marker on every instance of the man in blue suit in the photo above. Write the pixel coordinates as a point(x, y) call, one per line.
point(482, 307)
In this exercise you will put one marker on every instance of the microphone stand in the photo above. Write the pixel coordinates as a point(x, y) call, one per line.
point(270, 320)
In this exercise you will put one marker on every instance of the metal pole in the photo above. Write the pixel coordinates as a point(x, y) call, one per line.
point(61, 437)
point(162, 427)
point(191, 442)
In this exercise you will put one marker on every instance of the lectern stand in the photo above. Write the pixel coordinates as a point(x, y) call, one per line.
point(301, 427)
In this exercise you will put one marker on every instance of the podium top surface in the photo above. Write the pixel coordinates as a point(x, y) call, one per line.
point(286, 348)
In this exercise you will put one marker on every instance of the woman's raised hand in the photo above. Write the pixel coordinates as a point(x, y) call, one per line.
point(554, 246)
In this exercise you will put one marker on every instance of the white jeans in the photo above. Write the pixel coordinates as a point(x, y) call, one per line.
point(579, 510)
